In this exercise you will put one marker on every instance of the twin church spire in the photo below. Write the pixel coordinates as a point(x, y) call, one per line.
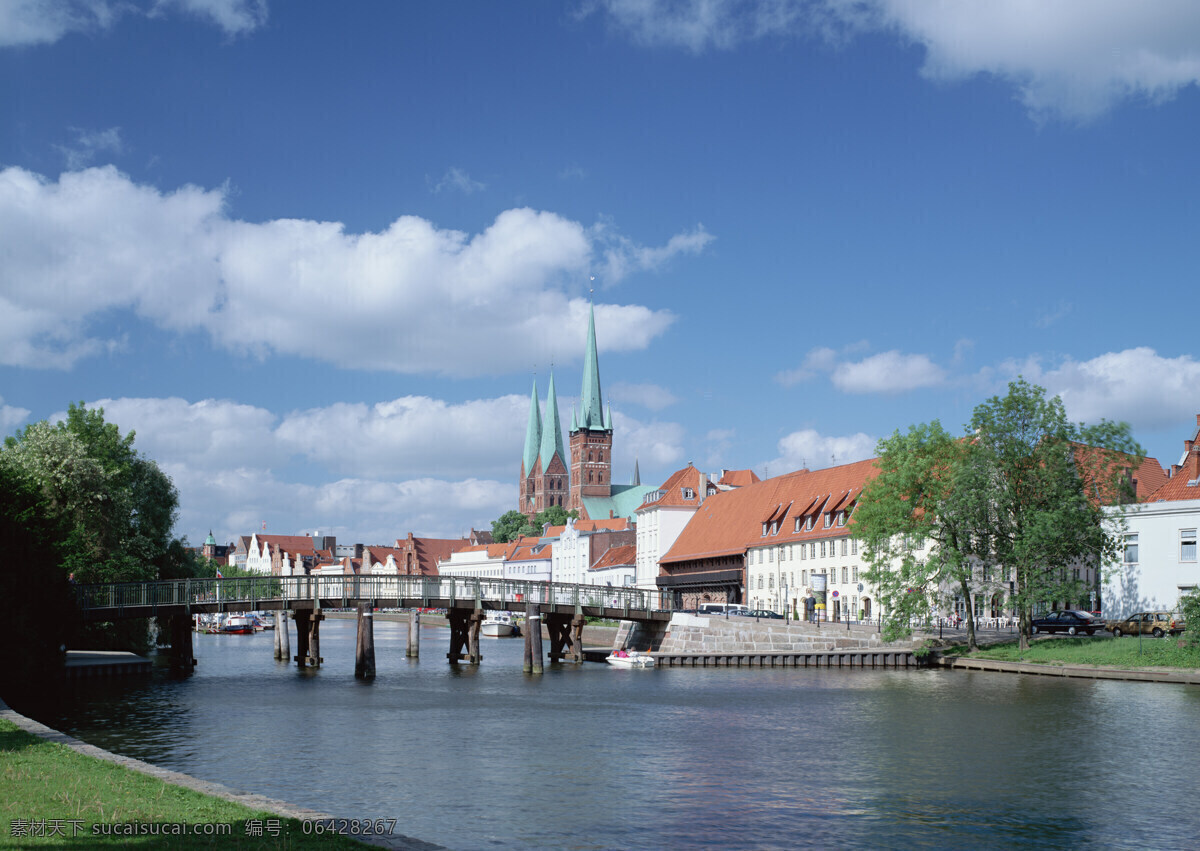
point(545, 476)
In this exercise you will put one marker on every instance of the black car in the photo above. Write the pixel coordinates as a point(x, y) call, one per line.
point(1070, 621)
point(765, 613)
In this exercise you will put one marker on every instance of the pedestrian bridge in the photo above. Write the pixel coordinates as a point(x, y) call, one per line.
point(172, 597)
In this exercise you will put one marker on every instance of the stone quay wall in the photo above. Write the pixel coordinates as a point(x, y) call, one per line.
point(699, 634)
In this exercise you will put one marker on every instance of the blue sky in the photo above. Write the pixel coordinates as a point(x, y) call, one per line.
point(314, 254)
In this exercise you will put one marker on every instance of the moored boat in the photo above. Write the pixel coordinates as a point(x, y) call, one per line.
point(499, 625)
point(630, 659)
point(238, 625)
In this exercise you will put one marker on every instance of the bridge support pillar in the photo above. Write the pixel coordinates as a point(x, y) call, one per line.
point(566, 636)
point(458, 634)
point(302, 616)
point(364, 655)
point(474, 654)
point(314, 639)
point(532, 663)
point(182, 661)
point(283, 648)
point(414, 634)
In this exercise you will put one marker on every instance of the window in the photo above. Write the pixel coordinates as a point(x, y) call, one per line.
point(828, 519)
point(764, 534)
point(797, 528)
point(771, 555)
point(775, 528)
point(808, 523)
point(771, 583)
point(1187, 545)
point(854, 574)
point(822, 549)
point(803, 551)
point(688, 493)
point(760, 584)
point(804, 577)
point(854, 546)
point(845, 545)
point(1131, 549)
point(812, 550)
point(841, 518)
point(845, 575)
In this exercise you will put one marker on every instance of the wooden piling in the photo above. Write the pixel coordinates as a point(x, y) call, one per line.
point(458, 634)
point(302, 616)
point(527, 658)
point(364, 655)
point(414, 634)
point(282, 649)
point(474, 653)
point(534, 620)
point(314, 639)
point(577, 623)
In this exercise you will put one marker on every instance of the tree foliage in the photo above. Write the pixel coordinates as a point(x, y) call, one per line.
point(513, 524)
point(104, 513)
point(1016, 501)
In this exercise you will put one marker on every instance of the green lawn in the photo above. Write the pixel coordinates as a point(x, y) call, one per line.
point(1126, 652)
point(44, 786)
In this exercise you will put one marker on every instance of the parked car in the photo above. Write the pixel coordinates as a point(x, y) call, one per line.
point(1157, 624)
point(765, 613)
point(1069, 621)
point(724, 609)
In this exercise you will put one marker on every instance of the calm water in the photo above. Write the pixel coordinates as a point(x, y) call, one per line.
point(591, 757)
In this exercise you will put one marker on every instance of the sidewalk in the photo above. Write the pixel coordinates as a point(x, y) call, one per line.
point(1156, 675)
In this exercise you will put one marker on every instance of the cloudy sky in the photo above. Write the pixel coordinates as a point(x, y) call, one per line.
point(316, 254)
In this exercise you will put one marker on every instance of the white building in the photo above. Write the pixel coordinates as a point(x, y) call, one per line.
point(661, 518)
point(1159, 562)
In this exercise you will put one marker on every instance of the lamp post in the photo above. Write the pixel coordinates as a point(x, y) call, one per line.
point(784, 589)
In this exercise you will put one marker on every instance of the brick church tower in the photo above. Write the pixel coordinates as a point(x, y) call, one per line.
point(591, 434)
point(544, 477)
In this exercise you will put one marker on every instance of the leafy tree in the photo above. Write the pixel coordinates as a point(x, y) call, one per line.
point(915, 530)
point(1019, 496)
point(513, 524)
point(1189, 605)
point(111, 509)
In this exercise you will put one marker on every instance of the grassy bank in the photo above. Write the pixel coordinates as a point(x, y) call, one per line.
point(1127, 652)
point(51, 785)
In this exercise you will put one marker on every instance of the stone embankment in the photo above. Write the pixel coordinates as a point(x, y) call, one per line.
point(699, 634)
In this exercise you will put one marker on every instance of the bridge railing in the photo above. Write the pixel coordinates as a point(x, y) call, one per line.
point(503, 593)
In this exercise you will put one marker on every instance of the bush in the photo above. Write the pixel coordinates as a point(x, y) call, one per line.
point(1189, 605)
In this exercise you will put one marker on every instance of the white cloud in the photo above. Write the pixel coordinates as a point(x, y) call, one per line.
point(457, 179)
point(623, 257)
point(1071, 58)
point(654, 445)
point(11, 417)
point(27, 22)
point(647, 395)
point(235, 17)
point(95, 241)
point(88, 144)
point(1137, 386)
point(808, 448)
point(887, 372)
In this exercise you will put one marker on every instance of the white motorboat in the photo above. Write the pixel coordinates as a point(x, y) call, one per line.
point(630, 659)
point(499, 625)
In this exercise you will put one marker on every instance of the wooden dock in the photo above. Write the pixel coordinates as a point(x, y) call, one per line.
point(103, 663)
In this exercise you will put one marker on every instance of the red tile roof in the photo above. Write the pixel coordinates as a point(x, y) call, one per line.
point(739, 478)
point(616, 524)
point(616, 557)
point(732, 521)
point(671, 494)
point(1177, 487)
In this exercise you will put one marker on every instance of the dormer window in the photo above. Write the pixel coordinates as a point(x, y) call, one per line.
point(828, 519)
point(688, 493)
point(808, 523)
point(764, 532)
point(775, 528)
point(798, 520)
point(841, 518)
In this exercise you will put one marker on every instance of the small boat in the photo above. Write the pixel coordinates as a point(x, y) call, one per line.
point(238, 625)
point(499, 625)
point(630, 659)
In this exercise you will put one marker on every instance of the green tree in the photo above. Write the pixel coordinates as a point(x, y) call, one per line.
point(513, 524)
point(914, 528)
point(555, 515)
point(1019, 496)
point(112, 510)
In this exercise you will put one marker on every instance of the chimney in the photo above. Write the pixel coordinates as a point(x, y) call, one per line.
point(1174, 470)
point(1187, 446)
point(703, 491)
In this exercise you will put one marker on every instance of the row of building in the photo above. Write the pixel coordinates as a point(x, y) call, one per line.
point(729, 536)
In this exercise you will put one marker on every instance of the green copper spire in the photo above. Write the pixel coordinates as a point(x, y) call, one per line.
point(591, 406)
point(533, 431)
point(552, 443)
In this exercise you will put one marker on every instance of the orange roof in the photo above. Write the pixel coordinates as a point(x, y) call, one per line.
point(289, 543)
point(616, 524)
point(672, 493)
point(732, 521)
point(616, 557)
point(1148, 478)
point(739, 478)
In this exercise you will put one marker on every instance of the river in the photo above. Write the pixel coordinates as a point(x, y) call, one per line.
point(592, 757)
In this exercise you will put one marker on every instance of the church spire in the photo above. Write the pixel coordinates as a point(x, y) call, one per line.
point(552, 443)
point(637, 474)
point(533, 431)
point(591, 406)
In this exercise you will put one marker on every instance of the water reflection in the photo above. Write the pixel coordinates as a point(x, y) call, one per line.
point(592, 757)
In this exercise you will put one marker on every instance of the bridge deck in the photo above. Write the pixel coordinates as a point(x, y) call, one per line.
point(115, 601)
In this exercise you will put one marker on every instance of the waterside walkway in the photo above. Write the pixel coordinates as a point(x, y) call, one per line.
point(1155, 675)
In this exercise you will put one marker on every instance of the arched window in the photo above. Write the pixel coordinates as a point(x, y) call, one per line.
point(589, 455)
point(589, 477)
